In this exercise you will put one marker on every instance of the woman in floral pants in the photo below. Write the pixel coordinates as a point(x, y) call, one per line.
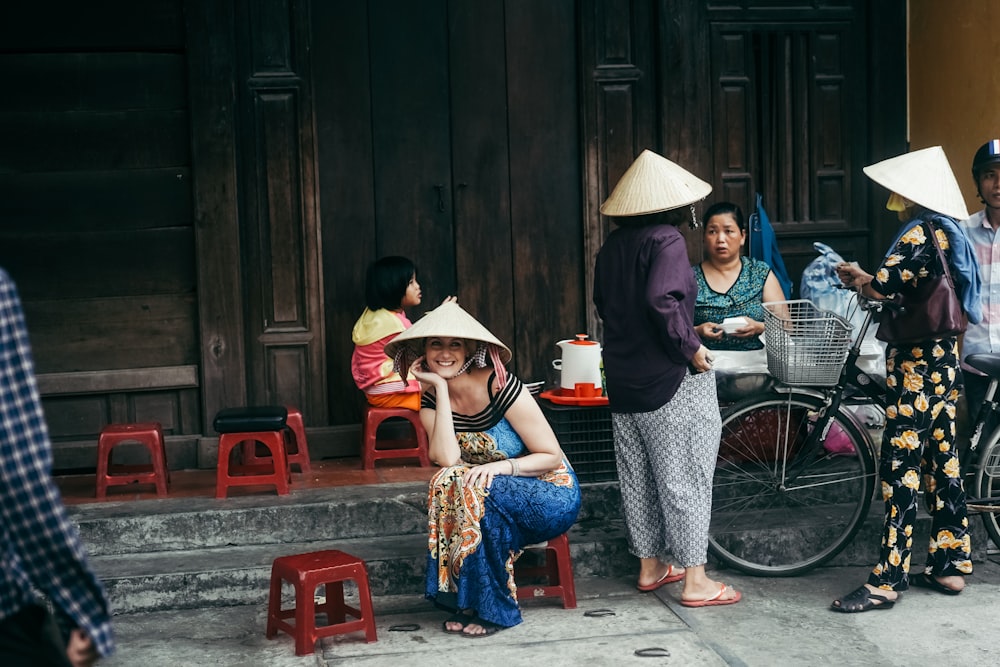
point(923, 381)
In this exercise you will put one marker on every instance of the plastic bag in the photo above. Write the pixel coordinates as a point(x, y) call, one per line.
point(820, 285)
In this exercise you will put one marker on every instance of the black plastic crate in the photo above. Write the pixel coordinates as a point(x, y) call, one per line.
point(585, 436)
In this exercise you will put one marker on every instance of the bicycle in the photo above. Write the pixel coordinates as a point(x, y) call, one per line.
point(784, 499)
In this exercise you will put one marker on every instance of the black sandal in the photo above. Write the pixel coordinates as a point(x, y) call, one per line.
point(461, 618)
point(929, 581)
point(490, 628)
point(861, 599)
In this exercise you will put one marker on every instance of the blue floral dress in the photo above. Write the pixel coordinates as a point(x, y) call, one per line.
point(475, 534)
point(923, 381)
point(744, 298)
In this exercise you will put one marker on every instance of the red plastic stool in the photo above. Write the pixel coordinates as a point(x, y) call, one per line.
point(369, 437)
point(558, 568)
point(299, 454)
point(305, 572)
point(247, 427)
point(149, 434)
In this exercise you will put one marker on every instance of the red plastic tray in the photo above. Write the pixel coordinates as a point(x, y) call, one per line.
point(560, 399)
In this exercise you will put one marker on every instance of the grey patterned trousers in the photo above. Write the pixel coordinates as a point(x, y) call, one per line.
point(666, 461)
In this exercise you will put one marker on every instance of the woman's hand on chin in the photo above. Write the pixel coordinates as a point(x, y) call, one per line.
point(425, 376)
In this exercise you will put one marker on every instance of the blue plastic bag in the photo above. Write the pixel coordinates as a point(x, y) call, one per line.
point(764, 246)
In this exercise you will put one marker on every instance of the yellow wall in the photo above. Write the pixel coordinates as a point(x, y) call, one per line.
point(955, 81)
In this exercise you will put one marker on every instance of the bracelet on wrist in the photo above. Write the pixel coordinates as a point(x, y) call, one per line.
point(514, 468)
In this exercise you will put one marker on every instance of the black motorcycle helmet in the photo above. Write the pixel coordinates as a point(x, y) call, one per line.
point(988, 153)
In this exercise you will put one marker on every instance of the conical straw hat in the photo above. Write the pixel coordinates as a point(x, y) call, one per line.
point(653, 184)
point(924, 177)
point(448, 320)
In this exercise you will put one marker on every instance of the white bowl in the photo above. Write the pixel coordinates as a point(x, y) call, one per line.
point(733, 324)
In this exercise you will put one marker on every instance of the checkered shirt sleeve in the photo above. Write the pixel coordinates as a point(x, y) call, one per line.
point(40, 548)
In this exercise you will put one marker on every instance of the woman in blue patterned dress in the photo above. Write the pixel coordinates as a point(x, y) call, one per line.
point(504, 482)
point(923, 381)
point(731, 285)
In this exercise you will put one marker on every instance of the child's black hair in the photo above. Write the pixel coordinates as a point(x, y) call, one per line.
point(386, 282)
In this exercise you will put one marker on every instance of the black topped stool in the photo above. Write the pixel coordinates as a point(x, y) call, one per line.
point(261, 424)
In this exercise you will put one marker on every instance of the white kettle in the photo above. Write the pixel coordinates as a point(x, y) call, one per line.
point(580, 365)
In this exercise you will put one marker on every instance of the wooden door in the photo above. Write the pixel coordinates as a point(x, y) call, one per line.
point(448, 133)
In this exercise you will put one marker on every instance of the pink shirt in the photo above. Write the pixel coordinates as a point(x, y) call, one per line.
point(370, 367)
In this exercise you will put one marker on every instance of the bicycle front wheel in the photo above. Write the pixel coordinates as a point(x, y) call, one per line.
point(779, 506)
point(988, 484)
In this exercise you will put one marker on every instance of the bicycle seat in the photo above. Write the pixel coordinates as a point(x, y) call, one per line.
point(985, 363)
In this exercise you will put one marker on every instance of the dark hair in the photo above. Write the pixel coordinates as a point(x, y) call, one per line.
point(386, 282)
point(724, 207)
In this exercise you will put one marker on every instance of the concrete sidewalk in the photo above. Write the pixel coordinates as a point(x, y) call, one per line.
point(782, 621)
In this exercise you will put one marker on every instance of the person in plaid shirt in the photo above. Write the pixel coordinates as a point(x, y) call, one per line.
point(40, 550)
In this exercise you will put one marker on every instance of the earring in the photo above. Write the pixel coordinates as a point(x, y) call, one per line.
point(694, 218)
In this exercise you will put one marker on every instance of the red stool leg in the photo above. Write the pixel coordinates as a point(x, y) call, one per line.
point(305, 616)
point(422, 443)
point(369, 431)
point(158, 454)
point(300, 456)
point(103, 463)
point(274, 603)
point(558, 548)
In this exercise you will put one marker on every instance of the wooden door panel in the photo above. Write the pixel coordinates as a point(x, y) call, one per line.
point(341, 71)
point(280, 226)
point(546, 215)
point(782, 109)
point(411, 140)
point(480, 154)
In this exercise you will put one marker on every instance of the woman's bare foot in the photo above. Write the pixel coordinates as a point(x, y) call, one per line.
point(654, 573)
point(953, 582)
point(716, 593)
point(458, 621)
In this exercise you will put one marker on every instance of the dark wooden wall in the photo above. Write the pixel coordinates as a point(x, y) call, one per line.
point(190, 191)
point(96, 219)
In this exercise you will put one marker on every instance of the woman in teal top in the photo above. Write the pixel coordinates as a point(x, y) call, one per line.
point(730, 285)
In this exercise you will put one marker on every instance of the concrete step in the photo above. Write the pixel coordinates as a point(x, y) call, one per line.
point(334, 513)
point(188, 553)
point(183, 553)
point(223, 576)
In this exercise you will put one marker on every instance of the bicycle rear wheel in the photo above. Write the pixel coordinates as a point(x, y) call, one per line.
point(988, 483)
point(778, 508)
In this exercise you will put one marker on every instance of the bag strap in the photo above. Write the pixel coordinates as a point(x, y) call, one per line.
point(944, 260)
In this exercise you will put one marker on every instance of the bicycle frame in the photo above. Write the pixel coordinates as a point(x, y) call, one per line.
point(851, 377)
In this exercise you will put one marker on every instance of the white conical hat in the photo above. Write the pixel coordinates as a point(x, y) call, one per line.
point(653, 184)
point(924, 177)
point(448, 320)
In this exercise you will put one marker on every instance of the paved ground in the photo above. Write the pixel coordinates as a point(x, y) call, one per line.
point(779, 622)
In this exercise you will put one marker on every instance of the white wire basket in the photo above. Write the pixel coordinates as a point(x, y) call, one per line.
point(805, 344)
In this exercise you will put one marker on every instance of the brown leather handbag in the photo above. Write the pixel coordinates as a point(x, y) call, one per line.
point(931, 310)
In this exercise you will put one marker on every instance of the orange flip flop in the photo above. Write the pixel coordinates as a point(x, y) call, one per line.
point(668, 578)
point(715, 600)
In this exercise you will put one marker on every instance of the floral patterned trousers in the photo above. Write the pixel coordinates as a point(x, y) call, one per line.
point(923, 382)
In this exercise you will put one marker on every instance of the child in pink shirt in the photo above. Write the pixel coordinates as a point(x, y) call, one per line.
point(390, 287)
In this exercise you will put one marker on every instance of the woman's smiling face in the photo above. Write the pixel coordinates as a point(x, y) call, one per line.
point(446, 356)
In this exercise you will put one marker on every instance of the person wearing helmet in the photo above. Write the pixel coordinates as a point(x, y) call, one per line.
point(981, 228)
